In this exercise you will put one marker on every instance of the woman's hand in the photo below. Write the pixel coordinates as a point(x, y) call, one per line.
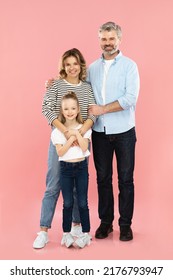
point(70, 132)
point(49, 83)
point(96, 110)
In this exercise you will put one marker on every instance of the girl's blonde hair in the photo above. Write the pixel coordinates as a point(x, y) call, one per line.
point(70, 95)
point(80, 59)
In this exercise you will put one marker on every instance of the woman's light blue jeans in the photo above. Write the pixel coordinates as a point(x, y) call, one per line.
point(53, 190)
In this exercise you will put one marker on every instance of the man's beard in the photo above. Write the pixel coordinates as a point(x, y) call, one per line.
point(111, 52)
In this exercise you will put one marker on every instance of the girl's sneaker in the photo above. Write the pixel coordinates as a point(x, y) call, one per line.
point(83, 240)
point(41, 240)
point(67, 239)
point(76, 231)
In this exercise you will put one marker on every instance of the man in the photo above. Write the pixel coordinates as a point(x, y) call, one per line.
point(115, 82)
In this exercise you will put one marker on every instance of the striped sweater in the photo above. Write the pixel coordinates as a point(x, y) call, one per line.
point(52, 99)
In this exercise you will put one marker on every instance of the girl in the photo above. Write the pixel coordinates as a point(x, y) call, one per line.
point(73, 168)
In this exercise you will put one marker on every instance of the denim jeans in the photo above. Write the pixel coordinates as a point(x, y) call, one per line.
point(53, 190)
point(104, 147)
point(75, 173)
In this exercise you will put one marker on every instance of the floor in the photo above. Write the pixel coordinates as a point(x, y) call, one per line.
point(151, 226)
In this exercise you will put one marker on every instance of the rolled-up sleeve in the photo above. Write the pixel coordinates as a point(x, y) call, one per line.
point(132, 86)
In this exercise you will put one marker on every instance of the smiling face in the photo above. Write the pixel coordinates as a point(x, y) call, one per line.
point(72, 68)
point(109, 42)
point(70, 109)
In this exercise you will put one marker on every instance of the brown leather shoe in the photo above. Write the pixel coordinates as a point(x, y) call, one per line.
point(103, 230)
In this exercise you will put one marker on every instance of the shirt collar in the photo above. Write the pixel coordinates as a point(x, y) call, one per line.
point(115, 59)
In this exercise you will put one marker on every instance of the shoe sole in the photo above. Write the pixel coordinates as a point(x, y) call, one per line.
point(40, 247)
point(109, 231)
point(70, 244)
point(126, 239)
point(80, 246)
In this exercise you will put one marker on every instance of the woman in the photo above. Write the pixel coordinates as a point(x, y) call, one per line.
point(72, 77)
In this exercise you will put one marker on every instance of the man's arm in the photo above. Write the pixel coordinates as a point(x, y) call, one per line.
point(98, 110)
point(124, 102)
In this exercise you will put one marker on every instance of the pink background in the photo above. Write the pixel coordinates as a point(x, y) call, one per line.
point(34, 34)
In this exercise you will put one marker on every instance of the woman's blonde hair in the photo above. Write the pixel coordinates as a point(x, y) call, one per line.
point(70, 95)
point(80, 59)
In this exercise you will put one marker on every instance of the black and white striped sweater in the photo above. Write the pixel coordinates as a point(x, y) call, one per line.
point(52, 99)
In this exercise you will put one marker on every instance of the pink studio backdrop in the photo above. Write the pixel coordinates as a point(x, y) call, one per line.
point(34, 34)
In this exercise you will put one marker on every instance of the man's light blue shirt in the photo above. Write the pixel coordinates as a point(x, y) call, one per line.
point(122, 85)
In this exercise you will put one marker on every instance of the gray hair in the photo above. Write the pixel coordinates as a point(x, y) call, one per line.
point(109, 26)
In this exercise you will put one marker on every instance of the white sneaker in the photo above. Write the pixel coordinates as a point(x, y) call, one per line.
point(76, 231)
point(83, 240)
point(41, 240)
point(67, 240)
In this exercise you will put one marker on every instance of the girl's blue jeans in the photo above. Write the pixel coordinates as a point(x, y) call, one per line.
point(75, 174)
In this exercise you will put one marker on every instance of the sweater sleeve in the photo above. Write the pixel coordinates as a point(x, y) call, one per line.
point(91, 101)
point(49, 104)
